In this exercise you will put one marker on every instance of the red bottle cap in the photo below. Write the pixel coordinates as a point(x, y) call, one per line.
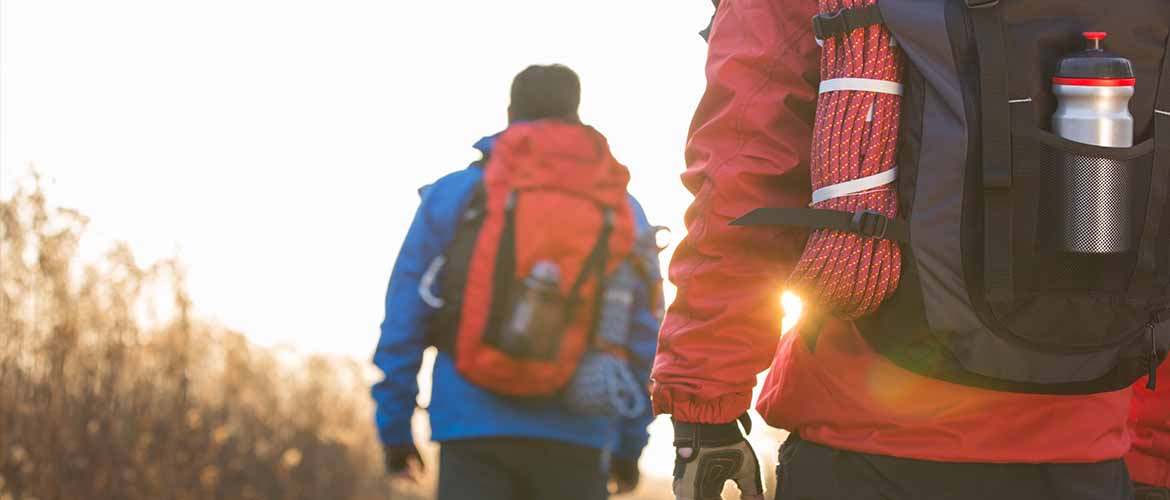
point(1094, 67)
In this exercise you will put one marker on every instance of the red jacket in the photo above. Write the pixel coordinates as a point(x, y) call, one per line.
point(748, 147)
point(1149, 424)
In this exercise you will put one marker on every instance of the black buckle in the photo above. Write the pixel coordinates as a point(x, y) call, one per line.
point(981, 4)
point(844, 21)
point(1161, 316)
point(828, 25)
point(870, 224)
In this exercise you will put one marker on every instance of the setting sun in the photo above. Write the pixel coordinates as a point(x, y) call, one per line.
point(792, 307)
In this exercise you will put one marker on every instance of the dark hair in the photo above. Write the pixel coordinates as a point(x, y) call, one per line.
point(540, 92)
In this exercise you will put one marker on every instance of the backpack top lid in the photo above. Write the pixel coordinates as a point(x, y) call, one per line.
point(1094, 66)
point(551, 154)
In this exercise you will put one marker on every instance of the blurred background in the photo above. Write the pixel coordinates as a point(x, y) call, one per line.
point(202, 202)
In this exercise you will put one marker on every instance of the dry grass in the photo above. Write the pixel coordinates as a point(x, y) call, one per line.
point(110, 389)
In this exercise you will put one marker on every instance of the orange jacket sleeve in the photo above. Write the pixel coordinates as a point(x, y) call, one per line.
point(748, 147)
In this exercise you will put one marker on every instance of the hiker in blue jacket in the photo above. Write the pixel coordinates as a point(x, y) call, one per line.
point(493, 446)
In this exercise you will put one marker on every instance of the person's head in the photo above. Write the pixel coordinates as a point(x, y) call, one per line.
point(545, 92)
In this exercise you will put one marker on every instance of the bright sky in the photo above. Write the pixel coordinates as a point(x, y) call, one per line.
point(276, 146)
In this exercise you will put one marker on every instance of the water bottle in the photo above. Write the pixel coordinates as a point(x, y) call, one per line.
point(538, 313)
point(1088, 200)
point(1093, 88)
point(617, 305)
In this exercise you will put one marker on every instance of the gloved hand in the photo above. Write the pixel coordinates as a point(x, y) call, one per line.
point(623, 476)
point(708, 455)
point(1147, 492)
point(404, 462)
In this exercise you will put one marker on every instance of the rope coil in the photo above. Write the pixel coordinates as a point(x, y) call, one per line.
point(855, 137)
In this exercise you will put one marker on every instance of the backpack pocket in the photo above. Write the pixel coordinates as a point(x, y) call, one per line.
point(1079, 219)
point(538, 315)
point(1090, 210)
point(1079, 318)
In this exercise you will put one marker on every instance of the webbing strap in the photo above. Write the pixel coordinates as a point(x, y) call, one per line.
point(597, 256)
point(998, 278)
point(856, 186)
point(865, 223)
point(598, 260)
point(1150, 273)
point(844, 21)
point(861, 85)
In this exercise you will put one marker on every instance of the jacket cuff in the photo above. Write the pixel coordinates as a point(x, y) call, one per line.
point(706, 435)
point(686, 407)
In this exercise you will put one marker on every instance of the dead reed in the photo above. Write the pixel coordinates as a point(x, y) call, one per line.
point(110, 389)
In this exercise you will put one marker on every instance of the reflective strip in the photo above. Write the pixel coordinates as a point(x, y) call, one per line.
point(861, 85)
point(1160, 112)
point(855, 186)
point(1018, 101)
point(428, 280)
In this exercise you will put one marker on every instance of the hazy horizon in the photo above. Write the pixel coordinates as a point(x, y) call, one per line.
point(276, 147)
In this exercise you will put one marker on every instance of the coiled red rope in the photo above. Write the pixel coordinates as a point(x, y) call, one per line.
point(841, 273)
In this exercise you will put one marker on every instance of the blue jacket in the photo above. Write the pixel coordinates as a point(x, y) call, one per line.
point(458, 409)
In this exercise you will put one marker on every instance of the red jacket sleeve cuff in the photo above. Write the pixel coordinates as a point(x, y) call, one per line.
point(686, 407)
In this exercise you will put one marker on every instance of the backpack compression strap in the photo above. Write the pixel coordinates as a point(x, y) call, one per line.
point(595, 262)
point(851, 168)
point(844, 21)
point(999, 111)
point(865, 222)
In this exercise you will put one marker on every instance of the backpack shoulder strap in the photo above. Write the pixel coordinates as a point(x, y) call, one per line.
point(1152, 274)
point(452, 275)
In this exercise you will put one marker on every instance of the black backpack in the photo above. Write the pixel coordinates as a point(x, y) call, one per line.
point(981, 302)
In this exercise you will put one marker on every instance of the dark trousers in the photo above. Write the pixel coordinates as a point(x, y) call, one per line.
point(519, 469)
point(809, 471)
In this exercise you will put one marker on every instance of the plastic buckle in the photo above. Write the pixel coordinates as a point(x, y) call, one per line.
point(870, 224)
point(1161, 316)
point(828, 25)
point(981, 4)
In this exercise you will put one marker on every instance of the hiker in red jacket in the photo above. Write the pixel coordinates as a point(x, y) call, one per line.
point(1149, 420)
point(861, 426)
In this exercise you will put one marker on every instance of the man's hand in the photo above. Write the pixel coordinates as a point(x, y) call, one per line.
point(707, 456)
point(404, 462)
point(623, 476)
point(1147, 492)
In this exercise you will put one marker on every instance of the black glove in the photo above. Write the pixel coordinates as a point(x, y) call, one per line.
point(708, 455)
point(623, 476)
point(404, 461)
point(1147, 492)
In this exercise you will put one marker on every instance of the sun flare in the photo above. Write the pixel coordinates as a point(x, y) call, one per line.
point(792, 307)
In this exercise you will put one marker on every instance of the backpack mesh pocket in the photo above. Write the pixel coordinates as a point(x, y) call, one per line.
point(1088, 216)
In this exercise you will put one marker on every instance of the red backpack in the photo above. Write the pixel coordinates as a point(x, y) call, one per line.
point(522, 278)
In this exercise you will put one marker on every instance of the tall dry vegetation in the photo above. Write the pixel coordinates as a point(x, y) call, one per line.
point(109, 388)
